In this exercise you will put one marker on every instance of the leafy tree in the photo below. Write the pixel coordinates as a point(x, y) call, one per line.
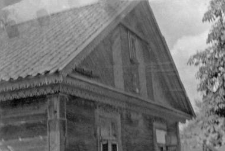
point(204, 127)
point(211, 75)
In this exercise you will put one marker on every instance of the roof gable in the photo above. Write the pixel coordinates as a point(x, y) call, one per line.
point(166, 81)
point(46, 49)
point(70, 36)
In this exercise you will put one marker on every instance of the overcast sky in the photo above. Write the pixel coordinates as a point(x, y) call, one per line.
point(180, 22)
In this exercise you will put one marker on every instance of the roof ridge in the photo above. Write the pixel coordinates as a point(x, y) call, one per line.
point(55, 13)
point(73, 8)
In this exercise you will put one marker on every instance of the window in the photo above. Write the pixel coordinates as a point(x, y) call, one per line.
point(166, 139)
point(114, 147)
point(161, 139)
point(160, 129)
point(108, 134)
point(161, 136)
point(104, 146)
point(109, 146)
point(109, 131)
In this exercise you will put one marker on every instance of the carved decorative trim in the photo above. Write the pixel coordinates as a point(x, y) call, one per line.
point(159, 120)
point(97, 92)
point(29, 83)
point(30, 92)
point(86, 90)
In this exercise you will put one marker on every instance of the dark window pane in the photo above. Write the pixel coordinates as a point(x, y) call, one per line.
point(105, 147)
point(114, 147)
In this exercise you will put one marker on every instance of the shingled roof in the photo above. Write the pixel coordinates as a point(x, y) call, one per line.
point(38, 50)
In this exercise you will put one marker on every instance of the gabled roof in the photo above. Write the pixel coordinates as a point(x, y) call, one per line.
point(56, 46)
point(46, 49)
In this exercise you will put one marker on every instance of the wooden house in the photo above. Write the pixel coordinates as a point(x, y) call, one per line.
point(95, 78)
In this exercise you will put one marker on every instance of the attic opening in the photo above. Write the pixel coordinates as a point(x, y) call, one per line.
point(132, 48)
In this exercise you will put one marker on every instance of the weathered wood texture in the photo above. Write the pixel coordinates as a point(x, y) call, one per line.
point(141, 69)
point(23, 125)
point(140, 48)
point(149, 60)
point(100, 62)
point(81, 131)
point(143, 23)
point(117, 58)
point(159, 85)
point(153, 52)
point(137, 132)
point(57, 122)
point(130, 70)
point(110, 64)
point(164, 86)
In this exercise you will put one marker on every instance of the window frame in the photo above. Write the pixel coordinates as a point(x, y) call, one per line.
point(160, 125)
point(112, 117)
point(109, 144)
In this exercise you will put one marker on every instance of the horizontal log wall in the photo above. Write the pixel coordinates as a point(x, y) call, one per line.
point(23, 125)
point(81, 132)
point(136, 129)
point(137, 132)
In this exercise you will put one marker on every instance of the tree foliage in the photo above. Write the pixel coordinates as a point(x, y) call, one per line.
point(211, 75)
point(204, 127)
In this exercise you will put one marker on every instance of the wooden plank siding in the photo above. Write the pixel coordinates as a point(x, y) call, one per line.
point(100, 62)
point(149, 60)
point(142, 68)
point(137, 19)
point(117, 59)
point(153, 75)
point(161, 79)
point(110, 64)
point(130, 70)
point(152, 52)
point(23, 124)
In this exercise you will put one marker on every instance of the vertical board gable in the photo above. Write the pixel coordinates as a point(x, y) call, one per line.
point(99, 63)
point(166, 89)
point(130, 65)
